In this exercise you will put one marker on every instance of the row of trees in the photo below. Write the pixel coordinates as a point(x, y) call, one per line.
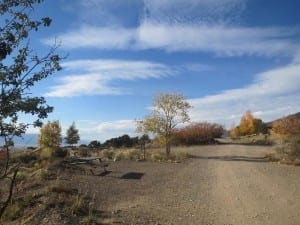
point(50, 135)
point(124, 141)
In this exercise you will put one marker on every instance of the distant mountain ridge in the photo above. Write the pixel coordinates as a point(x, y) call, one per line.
point(25, 141)
point(269, 124)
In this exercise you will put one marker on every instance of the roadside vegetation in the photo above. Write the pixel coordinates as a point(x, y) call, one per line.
point(283, 134)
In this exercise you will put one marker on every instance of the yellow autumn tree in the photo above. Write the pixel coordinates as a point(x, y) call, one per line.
point(247, 124)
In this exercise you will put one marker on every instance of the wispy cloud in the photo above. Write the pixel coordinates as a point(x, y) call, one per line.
point(216, 39)
point(88, 36)
point(272, 94)
point(94, 77)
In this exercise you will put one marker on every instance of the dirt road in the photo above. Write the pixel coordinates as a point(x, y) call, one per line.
point(222, 185)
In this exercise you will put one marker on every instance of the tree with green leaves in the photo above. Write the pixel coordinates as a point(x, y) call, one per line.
point(168, 110)
point(21, 68)
point(72, 137)
point(94, 144)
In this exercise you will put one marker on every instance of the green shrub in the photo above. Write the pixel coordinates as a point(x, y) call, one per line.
point(13, 212)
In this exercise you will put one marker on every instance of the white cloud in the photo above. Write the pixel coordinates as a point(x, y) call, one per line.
point(116, 128)
point(94, 37)
point(273, 94)
point(216, 39)
point(94, 77)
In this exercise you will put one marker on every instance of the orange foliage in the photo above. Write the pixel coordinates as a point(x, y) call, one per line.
point(287, 126)
point(198, 133)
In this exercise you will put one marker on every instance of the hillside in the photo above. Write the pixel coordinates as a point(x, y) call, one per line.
point(269, 124)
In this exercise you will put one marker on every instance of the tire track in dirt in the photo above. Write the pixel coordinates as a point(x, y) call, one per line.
point(249, 192)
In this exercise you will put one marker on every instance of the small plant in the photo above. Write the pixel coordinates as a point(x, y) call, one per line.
point(90, 218)
point(61, 188)
point(273, 157)
point(119, 156)
point(108, 154)
point(77, 204)
point(158, 156)
point(133, 154)
point(180, 156)
point(13, 211)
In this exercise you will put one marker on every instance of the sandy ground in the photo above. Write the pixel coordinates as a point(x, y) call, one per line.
point(222, 185)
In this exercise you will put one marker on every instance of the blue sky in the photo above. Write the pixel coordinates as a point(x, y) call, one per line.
point(224, 56)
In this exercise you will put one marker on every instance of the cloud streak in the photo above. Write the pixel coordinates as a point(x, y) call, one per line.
point(94, 77)
point(216, 39)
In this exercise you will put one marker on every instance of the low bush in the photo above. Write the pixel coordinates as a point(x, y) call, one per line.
point(13, 212)
point(158, 156)
point(108, 154)
point(273, 157)
point(120, 155)
point(181, 156)
point(198, 133)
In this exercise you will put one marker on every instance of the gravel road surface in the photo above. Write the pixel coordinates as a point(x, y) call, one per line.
point(221, 185)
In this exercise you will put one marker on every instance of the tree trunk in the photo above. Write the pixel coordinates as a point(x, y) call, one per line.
point(168, 148)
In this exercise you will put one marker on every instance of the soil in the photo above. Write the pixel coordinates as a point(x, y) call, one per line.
point(220, 185)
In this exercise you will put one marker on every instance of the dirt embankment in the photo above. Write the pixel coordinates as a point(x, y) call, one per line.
point(222, 185)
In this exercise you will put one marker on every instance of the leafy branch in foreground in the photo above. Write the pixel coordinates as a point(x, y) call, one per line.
point(21, 68)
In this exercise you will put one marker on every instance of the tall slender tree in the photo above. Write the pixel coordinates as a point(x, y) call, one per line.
point(72, 137)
